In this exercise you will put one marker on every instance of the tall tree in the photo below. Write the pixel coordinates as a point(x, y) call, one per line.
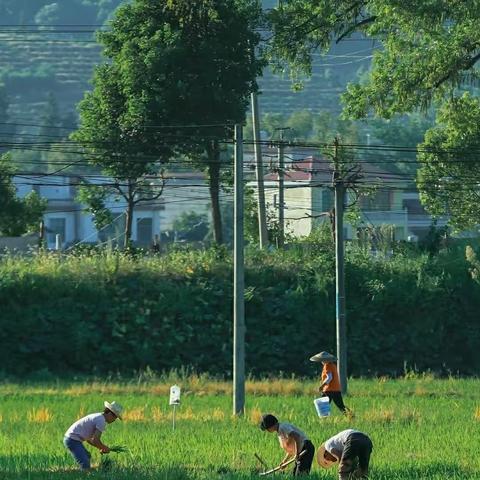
point(427, 56)
point(114, 135)
point(449, 179)
point(186, 70)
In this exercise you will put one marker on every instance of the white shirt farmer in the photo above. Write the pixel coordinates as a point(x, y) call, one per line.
point(84, 429)
point(284, 431)
point(337, 442)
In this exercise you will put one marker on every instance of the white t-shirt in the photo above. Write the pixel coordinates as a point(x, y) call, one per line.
point(337, 442)
point(284, 431)
point(84, 429)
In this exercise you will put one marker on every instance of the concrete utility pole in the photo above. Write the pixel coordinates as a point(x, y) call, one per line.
point(341, 325)
point(262, 215)
point(238, 282)
point(281, 192)
point(41, 235)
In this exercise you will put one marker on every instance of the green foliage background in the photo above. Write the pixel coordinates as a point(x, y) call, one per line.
point(115, 313)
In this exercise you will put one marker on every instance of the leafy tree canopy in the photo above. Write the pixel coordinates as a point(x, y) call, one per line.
point(449, 178)
point(185, 62)
point(17, 216)
point(426, 57)
point(426, 48)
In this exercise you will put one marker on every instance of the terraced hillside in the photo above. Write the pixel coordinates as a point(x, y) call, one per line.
point(34, 67)
point(330, 75)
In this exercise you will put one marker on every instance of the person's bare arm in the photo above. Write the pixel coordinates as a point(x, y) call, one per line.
point(96, 442)
point(295, 440)
point(326, 381)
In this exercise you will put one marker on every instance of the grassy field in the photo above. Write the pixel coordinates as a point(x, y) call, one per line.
point(421, 428)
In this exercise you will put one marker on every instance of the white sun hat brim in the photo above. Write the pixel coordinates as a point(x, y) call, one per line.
point(321, 460)
point(115, 408)
point(323, 357)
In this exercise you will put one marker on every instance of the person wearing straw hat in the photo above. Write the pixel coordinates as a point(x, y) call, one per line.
point(295, 443)
point(347, 448)
point(330, 386)
point(89, 429)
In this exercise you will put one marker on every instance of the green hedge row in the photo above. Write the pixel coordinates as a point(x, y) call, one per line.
point(113, 313)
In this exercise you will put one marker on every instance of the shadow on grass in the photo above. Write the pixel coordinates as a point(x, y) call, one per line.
point(432, 470)
point(429, 471)
point(128, 473)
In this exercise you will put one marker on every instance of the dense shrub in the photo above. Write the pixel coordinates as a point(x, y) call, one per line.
point(111, 312)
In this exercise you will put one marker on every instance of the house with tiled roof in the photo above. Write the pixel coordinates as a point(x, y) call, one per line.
point(393, 199)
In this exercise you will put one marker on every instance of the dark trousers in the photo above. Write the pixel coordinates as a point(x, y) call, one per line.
point(337, 399)
point(357, 447)
point(304, 463)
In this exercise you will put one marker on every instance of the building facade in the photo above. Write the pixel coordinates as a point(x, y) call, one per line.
point(66, 218)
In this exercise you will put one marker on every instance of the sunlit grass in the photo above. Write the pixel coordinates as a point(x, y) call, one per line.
point(422, 428)
point(40, 415)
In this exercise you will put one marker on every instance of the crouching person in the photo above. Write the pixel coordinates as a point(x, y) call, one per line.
point(351, 449)
point(89, 429)
point(295, 443)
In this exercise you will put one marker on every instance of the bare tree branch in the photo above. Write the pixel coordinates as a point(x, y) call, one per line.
point(451, 74)
point(153, 197)
point(354, 27)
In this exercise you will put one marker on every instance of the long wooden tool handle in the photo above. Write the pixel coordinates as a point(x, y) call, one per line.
point(283, 465)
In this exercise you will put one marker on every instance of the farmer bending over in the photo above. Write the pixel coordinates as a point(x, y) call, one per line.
point(89, 429)
point(330, 386)
point(347, 447)
point(293, 441)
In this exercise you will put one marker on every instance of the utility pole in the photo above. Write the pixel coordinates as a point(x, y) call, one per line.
point(341, 325)
point(281, 190)
point(41, 235)
point(262, 215)
point(238, 282)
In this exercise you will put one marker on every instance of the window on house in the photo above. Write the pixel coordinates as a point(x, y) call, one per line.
point(144, 231)
point(56, 226)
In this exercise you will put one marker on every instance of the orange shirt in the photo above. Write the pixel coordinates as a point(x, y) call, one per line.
point(334, 385)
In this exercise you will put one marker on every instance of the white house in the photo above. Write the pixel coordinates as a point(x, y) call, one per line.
point(66, 217)
point(309, 198)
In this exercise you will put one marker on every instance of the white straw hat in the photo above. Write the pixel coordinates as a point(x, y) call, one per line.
point(115, 408)
point(321, 460)
point(323, 357)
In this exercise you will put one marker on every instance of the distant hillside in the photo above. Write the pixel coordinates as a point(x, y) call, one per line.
point(61, 12)
point(42, 54)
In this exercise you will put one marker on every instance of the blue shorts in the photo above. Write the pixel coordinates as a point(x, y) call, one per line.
point(78, 451)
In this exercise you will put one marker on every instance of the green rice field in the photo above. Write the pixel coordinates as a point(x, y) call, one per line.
point(421, 427)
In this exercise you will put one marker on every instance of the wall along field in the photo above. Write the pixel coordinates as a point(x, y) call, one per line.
point(420, 427)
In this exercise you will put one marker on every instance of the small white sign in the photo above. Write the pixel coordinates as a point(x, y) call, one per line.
point(175, 395)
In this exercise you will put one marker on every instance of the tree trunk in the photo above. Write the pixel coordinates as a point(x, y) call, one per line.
point(129, 217)
point(214, 187)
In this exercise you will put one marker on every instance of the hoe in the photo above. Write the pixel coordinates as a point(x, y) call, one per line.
point(276, 469)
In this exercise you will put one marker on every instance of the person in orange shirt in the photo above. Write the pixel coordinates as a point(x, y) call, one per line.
point(330, 386)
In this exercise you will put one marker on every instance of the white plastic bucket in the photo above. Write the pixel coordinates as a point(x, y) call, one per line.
point(322, 406)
